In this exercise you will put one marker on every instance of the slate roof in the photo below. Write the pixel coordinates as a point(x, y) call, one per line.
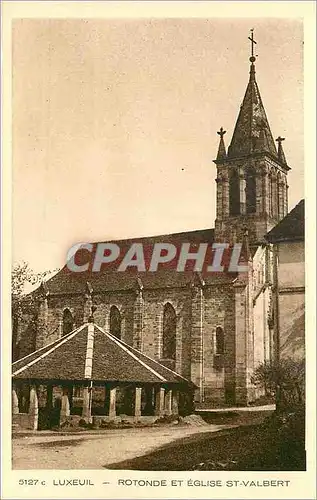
point(111, 360)
point(252, 133)
point(291, 228)
point(109, 279)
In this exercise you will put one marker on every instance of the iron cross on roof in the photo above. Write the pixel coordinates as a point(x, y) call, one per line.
point(280, 139)
point(253, 42)
point(221, 132)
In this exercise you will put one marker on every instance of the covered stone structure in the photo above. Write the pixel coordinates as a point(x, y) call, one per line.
point(92, 375)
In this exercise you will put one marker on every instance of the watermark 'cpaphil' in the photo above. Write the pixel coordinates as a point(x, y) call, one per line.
point(212, 258)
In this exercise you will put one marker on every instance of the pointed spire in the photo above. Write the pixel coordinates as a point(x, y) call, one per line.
point(280, 152)
point(252, 133)
point(222, 153)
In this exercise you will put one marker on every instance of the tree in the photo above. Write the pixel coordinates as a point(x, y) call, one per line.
point(287, 375)
point(22, 275)
point(23, 304)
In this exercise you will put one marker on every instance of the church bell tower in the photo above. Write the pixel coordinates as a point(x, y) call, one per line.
point(252, 174)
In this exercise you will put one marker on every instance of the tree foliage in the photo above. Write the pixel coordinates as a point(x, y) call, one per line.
point(287, 376)
point(21, 276)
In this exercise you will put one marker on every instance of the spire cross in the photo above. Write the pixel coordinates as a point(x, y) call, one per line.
point(221, 132)
point(280, 139)
point(252, 45)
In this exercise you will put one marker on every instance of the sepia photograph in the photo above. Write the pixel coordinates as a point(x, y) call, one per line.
point(158, 248)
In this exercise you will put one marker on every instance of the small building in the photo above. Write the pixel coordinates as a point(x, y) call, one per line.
point(288, 241)
point(90, 374)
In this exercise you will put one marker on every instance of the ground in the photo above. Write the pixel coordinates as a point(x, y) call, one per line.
point(230, 440)
point(78, 451)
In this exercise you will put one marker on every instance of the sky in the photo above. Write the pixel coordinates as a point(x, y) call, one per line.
point(115, 123)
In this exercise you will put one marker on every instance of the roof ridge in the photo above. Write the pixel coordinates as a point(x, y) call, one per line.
point(89, 351)
point(118, 342)
point(63, 340)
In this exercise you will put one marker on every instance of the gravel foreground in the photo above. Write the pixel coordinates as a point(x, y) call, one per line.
point(96, 451)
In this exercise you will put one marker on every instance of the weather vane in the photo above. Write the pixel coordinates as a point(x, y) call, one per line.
point(253, 42)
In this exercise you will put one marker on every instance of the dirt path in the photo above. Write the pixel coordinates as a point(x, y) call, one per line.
point(95, 451)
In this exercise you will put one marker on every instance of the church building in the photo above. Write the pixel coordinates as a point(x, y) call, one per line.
point(210, 328)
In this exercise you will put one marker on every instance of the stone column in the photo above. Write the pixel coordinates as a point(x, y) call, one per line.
point(112, 403)
point(137, 404)
point(219, 206)
point(285, 197)
point(138, 318)
point(175, 403)
point(87, 395)
point(197, 369)
point(242, 187)
point(280, 192)
point(65, 406)
point(274, 195)
point(244, 340)
point(265, 191)
point(15, 401)
point(225, 196)
point(259, 192)
point(159, 402)
point(168, 402)
point(33, 408)
point(42, 322)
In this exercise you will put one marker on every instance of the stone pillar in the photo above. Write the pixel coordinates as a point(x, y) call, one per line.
point(242, 188)
point(197, 369)
point(225, 196)
point(168, 402)
point(87, 395)
point(138, 318)
point(244, 341)
point(280, 191)
point(33, 409)
point(112, 403)
point(259, 192)
point(286, 197)
point(274, 196)
point(219, 206)
point(42, 322)
point(175, 403)
point(159, 402)
point(65, 406)
point(265, 191)
point(137, 404)
point(15, 401)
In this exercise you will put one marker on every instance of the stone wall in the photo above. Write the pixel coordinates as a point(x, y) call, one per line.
point(200, 309)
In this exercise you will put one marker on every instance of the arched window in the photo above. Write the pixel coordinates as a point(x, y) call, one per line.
point(68, 322)
point(251, 191)
point(234, 193)
point(220, 341)
point(271, 194)
point(169, 332)
point(115, 322)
